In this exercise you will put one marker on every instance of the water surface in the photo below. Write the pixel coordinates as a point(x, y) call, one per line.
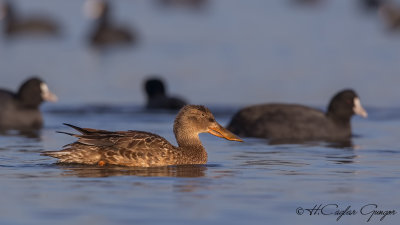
point(249, 182)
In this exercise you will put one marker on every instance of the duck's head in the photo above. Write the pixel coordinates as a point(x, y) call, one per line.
point(194, 119)
point(345, 104)
point(34, 91)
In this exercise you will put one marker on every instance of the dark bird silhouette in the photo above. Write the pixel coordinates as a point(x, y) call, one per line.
point(291, 122)
point(143, 149)
point(307, 2)
point(13, 24)
point(105, 32)
point(157, 97)
point(195, 4)
point(372, 4)
point(21, 110)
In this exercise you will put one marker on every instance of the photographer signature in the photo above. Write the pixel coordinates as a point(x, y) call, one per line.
point(369, 210)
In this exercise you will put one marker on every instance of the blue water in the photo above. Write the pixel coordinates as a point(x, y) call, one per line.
point(225, 55)
point(249, 182)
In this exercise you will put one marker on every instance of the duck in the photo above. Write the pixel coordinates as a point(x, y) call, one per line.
point(288, 123)
point(157, 97)
point(143, 149)
point(15, 25)
point(104, 31)
point(20, 110)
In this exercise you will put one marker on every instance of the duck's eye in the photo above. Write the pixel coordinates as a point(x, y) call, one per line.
point(203, 115)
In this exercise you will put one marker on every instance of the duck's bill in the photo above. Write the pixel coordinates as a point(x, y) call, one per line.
point(221, 132)
point(358, 109)
point(47, 95)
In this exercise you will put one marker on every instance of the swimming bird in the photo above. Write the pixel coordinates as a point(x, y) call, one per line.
point(291, 122)
point(104, 31)
point(21, 110)
point(195, 4)
point(157, 97)
point(15, 25)
point(144, 149)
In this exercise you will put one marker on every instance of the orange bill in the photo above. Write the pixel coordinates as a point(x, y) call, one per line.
point(219, 131)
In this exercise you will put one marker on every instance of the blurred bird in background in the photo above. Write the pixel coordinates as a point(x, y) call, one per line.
point(20, 110)
point(104, 31)
point(157, 97)
point(35, 24)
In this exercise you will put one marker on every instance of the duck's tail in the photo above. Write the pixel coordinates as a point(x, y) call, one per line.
point(56, 154)
point(71, 155)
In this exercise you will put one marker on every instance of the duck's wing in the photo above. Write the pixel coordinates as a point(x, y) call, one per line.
point(138, 148)
point(133, 140)
point(87, 130)
point(130, 148)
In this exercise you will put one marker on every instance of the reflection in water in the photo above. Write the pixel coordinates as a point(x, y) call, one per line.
point(342, 159)
point(273, 162)
point(107, 171)
point(33, 133)
point(268, 157)
point(178, 185)
point(347, 143)
point(288, 158)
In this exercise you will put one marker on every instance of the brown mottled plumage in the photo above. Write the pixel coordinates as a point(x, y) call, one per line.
point(143, 149)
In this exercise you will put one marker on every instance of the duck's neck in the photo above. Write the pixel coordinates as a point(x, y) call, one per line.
point(190, 144)
point(187, 138)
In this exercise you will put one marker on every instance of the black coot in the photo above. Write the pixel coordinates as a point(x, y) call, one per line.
point(157, 97)
point(13, 24)
point(105, 32)
point(21, 110)
point(288, 122)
